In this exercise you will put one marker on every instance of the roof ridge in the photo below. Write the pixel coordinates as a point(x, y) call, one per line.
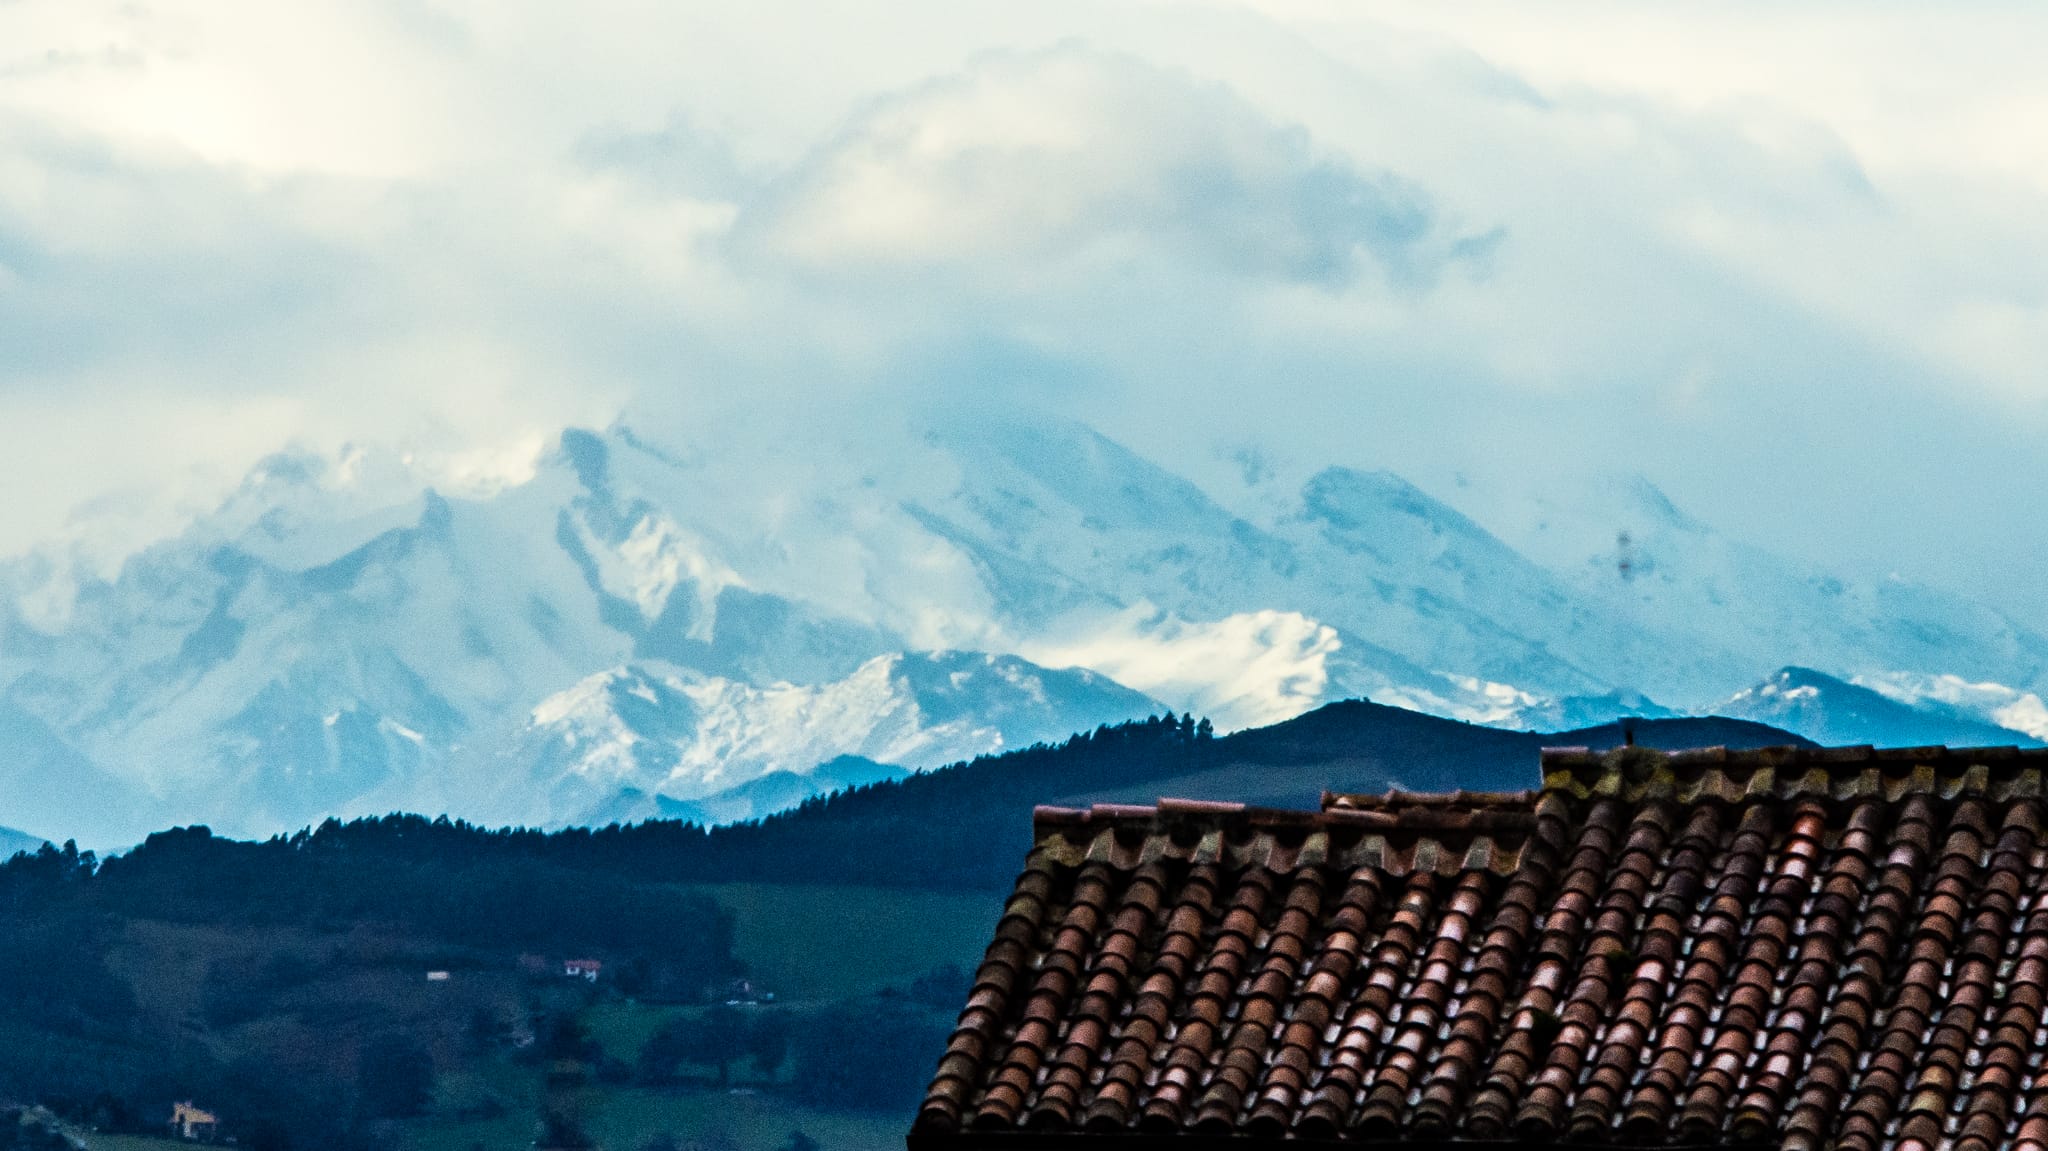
point(1793, 753)
point(1702, 774)
point(1633, 773)
point(1401, 838)
point(1397, 798)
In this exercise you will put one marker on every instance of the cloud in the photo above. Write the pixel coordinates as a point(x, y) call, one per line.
point(1245, 670)
point(680, 158)
point(108, 257)
point(1712, 245)
point(1078, 160)
point(166, 321)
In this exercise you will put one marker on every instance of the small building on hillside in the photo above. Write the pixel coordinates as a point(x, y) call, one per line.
point(588, 969)
point(1798, 949)
point(193, 1124)
point(745, 993)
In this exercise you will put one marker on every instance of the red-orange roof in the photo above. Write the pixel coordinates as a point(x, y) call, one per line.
point(1803, 948)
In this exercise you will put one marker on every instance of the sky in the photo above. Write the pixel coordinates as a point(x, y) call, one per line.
point(1781, 259)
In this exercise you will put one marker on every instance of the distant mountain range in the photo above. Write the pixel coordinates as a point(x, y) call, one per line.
point(12, 841)
point(966, 827)
point(1831, 711)
point(707, 626)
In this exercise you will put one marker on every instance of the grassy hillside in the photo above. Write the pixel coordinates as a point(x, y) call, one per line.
point(815, 950)
point(828, 942)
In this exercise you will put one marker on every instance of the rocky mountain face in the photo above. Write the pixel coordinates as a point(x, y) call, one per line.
point(692, 623)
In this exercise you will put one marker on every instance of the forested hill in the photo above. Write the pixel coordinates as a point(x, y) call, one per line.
point(969, 826)
point(964, 827)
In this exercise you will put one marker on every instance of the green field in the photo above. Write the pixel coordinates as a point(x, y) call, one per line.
point(808, 945)
point(623, 1120)
point(816, 949)
point(626, 1118)
point(831, 942)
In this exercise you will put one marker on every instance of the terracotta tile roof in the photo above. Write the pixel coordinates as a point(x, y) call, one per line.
point(1821, 948)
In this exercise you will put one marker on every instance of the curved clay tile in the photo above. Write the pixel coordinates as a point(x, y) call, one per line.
point(1803, 948)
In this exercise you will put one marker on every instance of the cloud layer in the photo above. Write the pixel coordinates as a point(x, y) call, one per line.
point(1734, 250)
point(1074, 164)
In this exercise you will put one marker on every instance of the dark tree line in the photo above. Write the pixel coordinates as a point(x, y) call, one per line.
point(868, 1056)
point(964, 827)
point(456, 886)
point(22, 1131)
point(718, 1038)
point(71, 1033)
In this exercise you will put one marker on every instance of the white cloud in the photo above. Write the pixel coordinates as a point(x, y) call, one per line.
point(1715, 243)
point(1072, 159)
point(1246, 670)
point(1995, 703)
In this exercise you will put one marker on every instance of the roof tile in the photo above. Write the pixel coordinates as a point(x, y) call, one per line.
point(1824, 947)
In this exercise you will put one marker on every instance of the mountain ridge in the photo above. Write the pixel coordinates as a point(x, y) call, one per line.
point(1831, 710)
point(348, 634)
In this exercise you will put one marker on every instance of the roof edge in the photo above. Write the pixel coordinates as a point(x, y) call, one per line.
point(1857, 772)
point(1788, 755)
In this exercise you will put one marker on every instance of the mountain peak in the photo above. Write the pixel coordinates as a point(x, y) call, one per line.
point(1831, 710)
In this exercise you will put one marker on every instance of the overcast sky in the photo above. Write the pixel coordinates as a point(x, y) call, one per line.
point(1785, 260)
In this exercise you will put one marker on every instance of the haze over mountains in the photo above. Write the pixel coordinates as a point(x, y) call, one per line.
point(630, 624)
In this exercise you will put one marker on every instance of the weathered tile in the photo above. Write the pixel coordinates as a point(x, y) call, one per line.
point(1809, 948)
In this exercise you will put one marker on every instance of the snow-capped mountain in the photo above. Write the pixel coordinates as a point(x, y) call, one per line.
point(631, 623)
point(1627, 552)
point(1831, 711)
point(656, 729)
point(1952, 695)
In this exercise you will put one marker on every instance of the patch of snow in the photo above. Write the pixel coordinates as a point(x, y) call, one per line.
point(658, 556)
point(1993, 703)
point(1244, 670)
point(1484, 701)
point(701, 735)
point(393, 727)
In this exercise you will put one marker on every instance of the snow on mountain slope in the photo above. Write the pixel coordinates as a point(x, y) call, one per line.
point(659, 730)
point(1411, 575)
point(223, 682)
point(1830, 711)
point(47, 783)
point(1101, 530)
point(1989, 703)
point(712, 604)
point(270, 668)
point(1627, 552)
point(1244, 670)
